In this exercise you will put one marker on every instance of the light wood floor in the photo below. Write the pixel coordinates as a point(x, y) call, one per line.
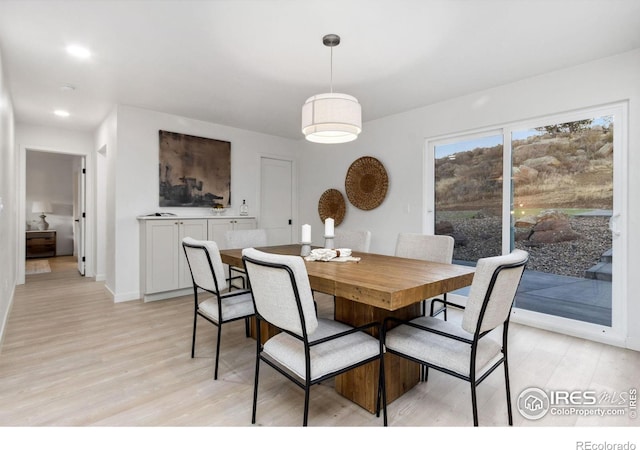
point(72, 357)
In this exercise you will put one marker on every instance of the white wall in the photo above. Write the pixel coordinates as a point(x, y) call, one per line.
point(53, 140)
point(50, 177)
point(105, 143)
point(133, 180)
point(8, 204)
point(399, 143)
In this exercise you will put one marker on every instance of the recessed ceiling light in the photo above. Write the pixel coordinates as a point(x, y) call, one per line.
point(78, 51)
point(61, 113)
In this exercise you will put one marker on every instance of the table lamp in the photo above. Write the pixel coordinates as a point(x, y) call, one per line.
point(41, 207)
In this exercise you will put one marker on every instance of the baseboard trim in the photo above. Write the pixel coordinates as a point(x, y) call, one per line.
point(167, 294)
point(126, 297)
point(5, 319)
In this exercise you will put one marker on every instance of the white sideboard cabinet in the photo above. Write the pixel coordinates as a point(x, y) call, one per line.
point(164, 271)
point(218, 227)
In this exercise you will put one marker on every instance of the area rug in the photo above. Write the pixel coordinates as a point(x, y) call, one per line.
point(37, 266)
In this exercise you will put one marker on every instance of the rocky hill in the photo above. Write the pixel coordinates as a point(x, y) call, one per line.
point(549, 171)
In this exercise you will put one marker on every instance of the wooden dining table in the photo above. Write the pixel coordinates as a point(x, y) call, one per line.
point(371, 289)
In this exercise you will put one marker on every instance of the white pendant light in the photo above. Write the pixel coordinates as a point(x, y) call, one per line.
point(331, 118)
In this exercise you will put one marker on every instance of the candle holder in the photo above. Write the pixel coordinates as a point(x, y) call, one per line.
point(305, 249)
point(328, 241)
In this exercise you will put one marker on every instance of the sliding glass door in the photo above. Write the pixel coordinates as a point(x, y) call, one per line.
point(560, 202)
point(468, 195)
point(562, 190)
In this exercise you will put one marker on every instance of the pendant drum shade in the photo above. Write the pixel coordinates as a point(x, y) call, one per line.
point(331, 118)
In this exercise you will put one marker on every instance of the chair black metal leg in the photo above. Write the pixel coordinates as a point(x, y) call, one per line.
point(215, 374)
point(306, 405)
point(424, 373)
point(230, 279)
point(508, 388)
point(379, 396)
point(247, 328)
point(434, 313)
point(382, 386)
point(255, 389)
point(445, 307)
point(193, 339)
point(474, 403)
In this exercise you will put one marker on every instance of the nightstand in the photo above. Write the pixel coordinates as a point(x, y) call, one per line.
point(41, 244)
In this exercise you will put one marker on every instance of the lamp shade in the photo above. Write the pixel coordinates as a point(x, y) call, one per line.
point(40, 207)
point(331, 118)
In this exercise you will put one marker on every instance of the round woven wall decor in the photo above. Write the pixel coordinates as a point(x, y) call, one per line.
point(332, 205)
point(366, 183)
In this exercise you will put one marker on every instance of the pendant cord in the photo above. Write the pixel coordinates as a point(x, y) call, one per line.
point(331, 78)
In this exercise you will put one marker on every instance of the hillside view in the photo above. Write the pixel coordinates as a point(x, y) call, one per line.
point(563, 170)
point(563, 192)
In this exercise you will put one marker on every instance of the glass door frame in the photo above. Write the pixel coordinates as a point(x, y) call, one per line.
point(617, 332)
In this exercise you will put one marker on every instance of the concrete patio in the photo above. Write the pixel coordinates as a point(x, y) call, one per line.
point(584, 299)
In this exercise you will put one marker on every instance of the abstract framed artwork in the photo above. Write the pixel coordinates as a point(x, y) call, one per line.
point(194, 171)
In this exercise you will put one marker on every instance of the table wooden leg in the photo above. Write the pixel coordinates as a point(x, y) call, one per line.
point(360, 385)
point(266, 330)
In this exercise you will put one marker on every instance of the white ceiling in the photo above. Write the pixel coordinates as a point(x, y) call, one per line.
point(252, 64)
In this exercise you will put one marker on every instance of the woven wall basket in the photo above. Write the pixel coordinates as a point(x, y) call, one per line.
point(366, 183)
point(332, 204)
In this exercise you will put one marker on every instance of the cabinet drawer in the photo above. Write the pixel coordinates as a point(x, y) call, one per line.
point(41, 241)
point(40, 244)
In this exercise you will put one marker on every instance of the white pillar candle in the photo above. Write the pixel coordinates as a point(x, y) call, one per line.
point(328, 226)
point(306, 233)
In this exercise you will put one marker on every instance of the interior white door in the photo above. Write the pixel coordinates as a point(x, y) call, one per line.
point(276, 200)
point(80, 216)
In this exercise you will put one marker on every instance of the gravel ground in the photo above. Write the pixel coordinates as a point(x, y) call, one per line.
point(570, 258)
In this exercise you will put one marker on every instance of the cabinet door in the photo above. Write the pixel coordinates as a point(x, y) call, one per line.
point(217, 229)
point(162, 255)
point(244, 224)
point(196, 229)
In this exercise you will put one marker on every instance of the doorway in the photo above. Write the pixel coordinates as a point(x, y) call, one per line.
point(277, 199)
point(56, 180)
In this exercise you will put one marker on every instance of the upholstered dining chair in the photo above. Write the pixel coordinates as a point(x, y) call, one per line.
point(435, 248)
point(470, 350)
point(356, 240)
point(308, 350)
point(243, 239)
point(207, 273)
